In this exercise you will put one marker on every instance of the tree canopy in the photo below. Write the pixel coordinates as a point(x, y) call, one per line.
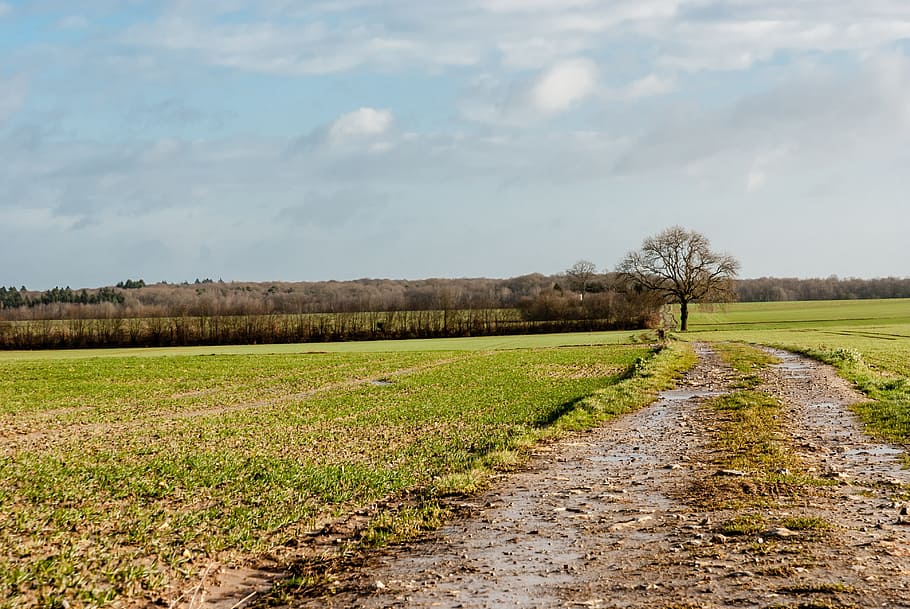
point(579, 276)
point(679, 264)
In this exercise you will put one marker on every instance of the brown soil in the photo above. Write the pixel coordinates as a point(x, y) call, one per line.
point(638, 514)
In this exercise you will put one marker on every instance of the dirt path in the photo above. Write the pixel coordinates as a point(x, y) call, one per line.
point(613, 518)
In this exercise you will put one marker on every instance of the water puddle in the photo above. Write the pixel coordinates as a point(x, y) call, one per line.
point(681, 395)
point(627, 458)
point(381, 383)
point(792, 365)
point(875, 450)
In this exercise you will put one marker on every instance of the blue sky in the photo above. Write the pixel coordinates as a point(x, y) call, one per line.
point(281, 140)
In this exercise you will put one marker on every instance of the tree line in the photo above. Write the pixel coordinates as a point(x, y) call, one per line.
point(12, 298)
point(297, 328)
point(533, 293)
point(674, 266)
point(768, 289)
point(211, 313)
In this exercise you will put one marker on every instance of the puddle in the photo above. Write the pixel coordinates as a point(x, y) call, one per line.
point(792, 365)
point(627, 458)
point(875, 450)
point(790, 362)
point(679, 395)
point(381, 383)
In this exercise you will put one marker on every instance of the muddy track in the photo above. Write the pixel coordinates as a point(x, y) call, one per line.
point(618, 517)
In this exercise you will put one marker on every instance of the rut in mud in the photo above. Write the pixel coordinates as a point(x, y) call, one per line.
point(619, 517)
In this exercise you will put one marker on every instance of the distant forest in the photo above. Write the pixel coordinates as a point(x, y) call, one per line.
point(536, 295)
point(774, 289)
point(206, 312)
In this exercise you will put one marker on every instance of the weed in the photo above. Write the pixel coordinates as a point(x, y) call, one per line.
point(744, 524)
point(806, 523)
point(746, 361)
point(750, 436)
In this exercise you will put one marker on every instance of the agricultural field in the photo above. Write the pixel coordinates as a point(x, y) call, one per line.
point(131, 475)
point(127, 478)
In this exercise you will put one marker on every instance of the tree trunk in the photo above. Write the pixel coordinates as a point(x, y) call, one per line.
point(683, 315)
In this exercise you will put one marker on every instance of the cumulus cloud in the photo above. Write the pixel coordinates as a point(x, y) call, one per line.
point(564, 85)
point(555, 90)
point(651, 85)
point(364, 122)
point(509, 104)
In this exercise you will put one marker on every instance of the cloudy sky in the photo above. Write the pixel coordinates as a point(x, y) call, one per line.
point(320, 139)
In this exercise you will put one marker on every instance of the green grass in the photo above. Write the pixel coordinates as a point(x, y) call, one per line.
point(806, 523)
point(746, 361)
point(749, 433)
point(126, 477)
point(744, 524)
point(799, 314)
point(482, 343)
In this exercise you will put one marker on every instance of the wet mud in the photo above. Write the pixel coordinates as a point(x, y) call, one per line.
point(610, 518)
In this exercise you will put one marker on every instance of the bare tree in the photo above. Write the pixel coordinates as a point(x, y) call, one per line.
point(680, 265)
point(579, 275)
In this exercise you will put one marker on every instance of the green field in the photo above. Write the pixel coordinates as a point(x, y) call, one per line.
point(800, 315)
point(129, 473)
point(127, 477)
point(484, 343)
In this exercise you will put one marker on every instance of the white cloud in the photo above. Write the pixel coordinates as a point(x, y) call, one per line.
point(651, 85)
point(761, 166)
point(688, 35)
point(564, 85)
point(495, 101)
point(821, 99)
point(307, 46)
point(73, 22)
point(533, 6)
point(13, 93)
point(365, 122)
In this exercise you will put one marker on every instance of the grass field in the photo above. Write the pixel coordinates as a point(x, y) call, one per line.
point(126, 477)
point(127, 473)
point(818, 314)
point(485, 343)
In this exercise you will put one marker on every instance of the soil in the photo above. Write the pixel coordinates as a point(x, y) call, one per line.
point(638, 513)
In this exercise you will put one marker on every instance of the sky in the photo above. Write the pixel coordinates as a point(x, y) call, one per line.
point(265, 140)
